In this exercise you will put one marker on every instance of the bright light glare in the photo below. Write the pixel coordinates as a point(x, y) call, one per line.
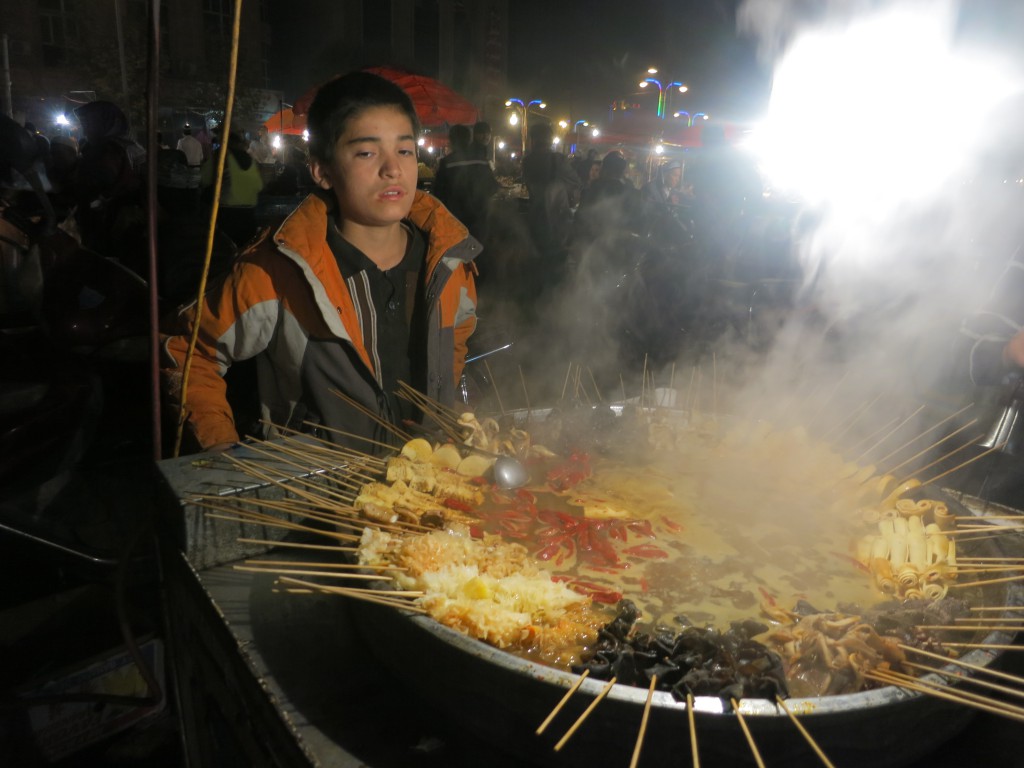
point(276, 141)
point(421, 141)
point(659, 149)
point(595, 133)
point(501, 145)
point(61, 120)
point(864, 117)
point(513, 119)
point(555, 141)
point(643, 84)
point(305, 135)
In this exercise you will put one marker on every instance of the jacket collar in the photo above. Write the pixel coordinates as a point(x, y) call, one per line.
point(305, 230)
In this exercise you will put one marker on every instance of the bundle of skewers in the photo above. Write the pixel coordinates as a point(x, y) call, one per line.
point(332, 496)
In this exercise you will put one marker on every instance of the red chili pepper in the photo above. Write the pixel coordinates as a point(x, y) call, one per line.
point(525, 495)
point(478, 480)
point(644, 586)
point(672, 525)
point(596, 592)
point(767, 596)
point(642, 527)
point(852, 561)
point(618, 533)
point(549, 551)
point(461, 506)
point(645, 550)
point(476, 532)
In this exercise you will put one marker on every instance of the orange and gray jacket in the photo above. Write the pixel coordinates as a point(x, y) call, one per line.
point(285, 297)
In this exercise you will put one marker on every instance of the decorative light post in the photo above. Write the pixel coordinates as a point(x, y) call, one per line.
point(662, 90)
point(576, 129)
point(523, 107)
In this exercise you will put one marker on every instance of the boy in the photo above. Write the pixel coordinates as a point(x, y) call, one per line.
point(367, 283)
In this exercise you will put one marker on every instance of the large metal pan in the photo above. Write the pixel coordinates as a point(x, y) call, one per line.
point(504, 698)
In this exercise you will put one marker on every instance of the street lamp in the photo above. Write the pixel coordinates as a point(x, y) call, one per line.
point(576, 128)
point(662, 91)
point(523, 107)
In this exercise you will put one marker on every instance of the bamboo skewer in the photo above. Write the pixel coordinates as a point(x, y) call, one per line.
point(273, 522)
point(894, 430)
point(586, 713)
point(340, 566)
point(934, 445)
point(565, 384)
point(1005, 580)
point(593, 381)
point(984, 646)
point(643, 723)
point(999, 608)
point(966, 665)
point(526, 393)
point(982, 455)
point(304, 572)
point(803, 731)
point(967, 698)
point(930, 429)
point(971, 628)
point(558, 707)
point(494, 386)
point(343, 433)
point(1004, 689)
point(852, 419)
point(870, 437)
point(372, 415)
point(746, 732)
point(693, 731)
point(324, 445)
point(385, 593)
point(941, 459)
point(299, 545)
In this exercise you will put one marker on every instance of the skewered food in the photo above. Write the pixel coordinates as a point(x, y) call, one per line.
point(489, 589)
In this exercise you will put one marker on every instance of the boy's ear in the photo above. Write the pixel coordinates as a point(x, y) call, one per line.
point(321, 174)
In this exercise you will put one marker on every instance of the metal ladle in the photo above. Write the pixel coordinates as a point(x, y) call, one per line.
point(509, 473)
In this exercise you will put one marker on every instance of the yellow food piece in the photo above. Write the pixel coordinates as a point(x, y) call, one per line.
point(476, 589)
point(474, 465)
point(447, 456)
point(417, 449)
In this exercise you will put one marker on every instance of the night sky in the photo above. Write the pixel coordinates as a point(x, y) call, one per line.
point(581, 56)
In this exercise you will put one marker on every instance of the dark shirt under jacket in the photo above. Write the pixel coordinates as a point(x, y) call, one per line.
point(391, 308)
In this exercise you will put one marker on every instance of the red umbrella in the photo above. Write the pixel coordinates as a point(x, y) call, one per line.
point(436, 104)
point(285, 121)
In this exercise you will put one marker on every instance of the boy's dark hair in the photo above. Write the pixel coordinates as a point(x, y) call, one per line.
point(341, 99)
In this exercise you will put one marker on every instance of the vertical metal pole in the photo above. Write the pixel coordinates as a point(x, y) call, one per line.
point(8, 102)
point(152, 150)
point(120, 53)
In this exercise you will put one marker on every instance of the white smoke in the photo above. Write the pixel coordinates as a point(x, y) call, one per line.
point(884, 120)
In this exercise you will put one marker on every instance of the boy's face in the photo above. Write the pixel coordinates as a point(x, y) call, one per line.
point(373, 171)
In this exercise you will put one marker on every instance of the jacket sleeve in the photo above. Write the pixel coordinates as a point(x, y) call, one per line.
point(239, 315)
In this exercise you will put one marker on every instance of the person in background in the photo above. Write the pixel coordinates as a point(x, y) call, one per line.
point(190, 145)
point(109, 185)
point(192, 148)
point(553, 189)
point(263, 153)
point(480, 149)
point(665, 189)
point(368, 283)
point(464, 183)
point(610, 204)
point(240, 190)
